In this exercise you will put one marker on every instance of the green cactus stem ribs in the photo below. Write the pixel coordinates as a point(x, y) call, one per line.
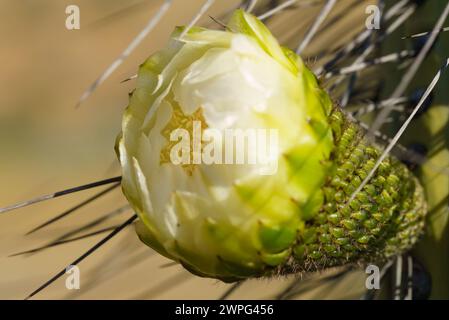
point(385, 218)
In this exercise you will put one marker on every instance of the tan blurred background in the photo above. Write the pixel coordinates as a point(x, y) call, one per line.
point(48, 145)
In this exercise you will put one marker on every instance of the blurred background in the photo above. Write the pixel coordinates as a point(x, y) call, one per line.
point(47, 144)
